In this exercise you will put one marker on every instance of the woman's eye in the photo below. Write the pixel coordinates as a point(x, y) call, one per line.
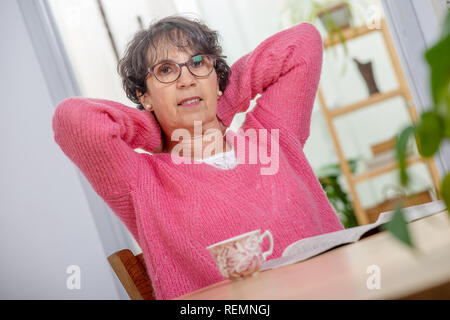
point(165, 69)
point(197, 61)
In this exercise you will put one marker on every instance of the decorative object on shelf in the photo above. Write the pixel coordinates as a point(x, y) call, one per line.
point(382, 159)
point(398, 197)
point(328, 177)
point(384, 146)
point(383, 153)
point(366, 71)
point(335, 16)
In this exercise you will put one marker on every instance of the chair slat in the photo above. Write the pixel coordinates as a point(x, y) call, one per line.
point(132, 273)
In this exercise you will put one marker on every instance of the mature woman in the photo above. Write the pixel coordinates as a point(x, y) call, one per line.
point(175, 72)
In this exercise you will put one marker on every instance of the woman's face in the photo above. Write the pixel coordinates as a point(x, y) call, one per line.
point(164, 98)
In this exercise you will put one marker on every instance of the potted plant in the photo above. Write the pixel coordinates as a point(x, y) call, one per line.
point(432, 129)
point(334, 15)
point(329, 179)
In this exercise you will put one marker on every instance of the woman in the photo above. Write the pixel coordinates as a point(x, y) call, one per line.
point(175, 210)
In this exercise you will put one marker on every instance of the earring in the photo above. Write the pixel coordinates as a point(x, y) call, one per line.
point(148, 107)
point(219, 93)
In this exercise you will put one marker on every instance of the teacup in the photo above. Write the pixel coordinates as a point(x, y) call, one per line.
point(241, 256)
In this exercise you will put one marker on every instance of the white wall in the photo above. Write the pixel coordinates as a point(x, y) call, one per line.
point(45, 221)
point(440, 8)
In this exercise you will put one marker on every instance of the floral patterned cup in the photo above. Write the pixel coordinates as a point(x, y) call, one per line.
point(241, 256)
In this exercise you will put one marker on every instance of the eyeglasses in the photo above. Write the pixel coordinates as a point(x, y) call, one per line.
point(168, 71)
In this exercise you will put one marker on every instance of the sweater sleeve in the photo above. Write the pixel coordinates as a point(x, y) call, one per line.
point(100, 136)
point(285, 69)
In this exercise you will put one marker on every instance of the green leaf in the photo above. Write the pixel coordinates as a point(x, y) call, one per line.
point(437, 57)
point(447, 124)
point(353, 163)
point(445, 191)
point(429, 133)
point(398, 228)
point(401, 148)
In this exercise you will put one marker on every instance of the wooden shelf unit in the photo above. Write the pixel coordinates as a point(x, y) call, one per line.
point(402, 90)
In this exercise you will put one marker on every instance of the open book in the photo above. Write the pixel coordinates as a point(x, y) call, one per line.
point(312, 246)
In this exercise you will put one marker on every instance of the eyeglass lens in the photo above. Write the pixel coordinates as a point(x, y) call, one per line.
point(200, 66)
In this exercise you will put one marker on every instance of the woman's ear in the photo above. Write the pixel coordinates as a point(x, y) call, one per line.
point(140, 96)
point(145, 101)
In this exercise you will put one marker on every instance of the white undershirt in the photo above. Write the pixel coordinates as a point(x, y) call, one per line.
point(225, 160)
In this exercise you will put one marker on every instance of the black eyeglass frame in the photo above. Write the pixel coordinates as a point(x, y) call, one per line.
point(180, 65)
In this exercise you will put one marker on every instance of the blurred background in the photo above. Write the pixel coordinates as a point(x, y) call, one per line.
point(373, 84)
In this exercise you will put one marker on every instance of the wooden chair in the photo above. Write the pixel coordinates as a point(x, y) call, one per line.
point(132, 273)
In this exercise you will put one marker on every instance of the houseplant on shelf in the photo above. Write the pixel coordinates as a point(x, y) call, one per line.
point(432, 129)
point(334, 15)
point(328, 177)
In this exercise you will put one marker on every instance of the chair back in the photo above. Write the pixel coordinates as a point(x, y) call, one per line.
point(132, 273)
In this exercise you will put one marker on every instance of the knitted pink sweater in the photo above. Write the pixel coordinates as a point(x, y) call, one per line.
point(175, 211)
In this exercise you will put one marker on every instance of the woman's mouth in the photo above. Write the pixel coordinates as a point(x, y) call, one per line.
point(190, 103)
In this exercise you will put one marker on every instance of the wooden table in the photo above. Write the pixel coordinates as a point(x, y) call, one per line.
point(342, 273)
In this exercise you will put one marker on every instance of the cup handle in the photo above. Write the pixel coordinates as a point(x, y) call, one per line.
point(268, 252)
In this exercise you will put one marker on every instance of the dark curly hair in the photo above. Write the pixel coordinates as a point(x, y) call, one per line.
point(145, 47)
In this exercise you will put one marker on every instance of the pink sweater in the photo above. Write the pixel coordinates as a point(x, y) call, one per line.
point(175, 211)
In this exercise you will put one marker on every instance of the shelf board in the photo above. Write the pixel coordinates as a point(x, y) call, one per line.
point(348, 34)
point(374, 98)
point(384, 169)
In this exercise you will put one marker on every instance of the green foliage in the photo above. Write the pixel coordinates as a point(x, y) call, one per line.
point(439, 62)
point(445, 189)
point(401, 148)
point(433, 127)
point(300, 11)
point(398, 227)
point(328, 177)
point(331, 27)
point(429, 133)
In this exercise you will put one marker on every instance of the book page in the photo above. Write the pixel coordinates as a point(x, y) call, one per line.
point(312, 246)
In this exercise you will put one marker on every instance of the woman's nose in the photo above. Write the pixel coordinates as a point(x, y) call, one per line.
point(186, 78)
